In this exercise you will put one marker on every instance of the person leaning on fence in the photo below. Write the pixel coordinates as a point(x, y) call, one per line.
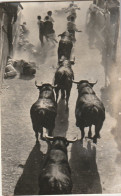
point(49, 32)
point(41, 29)
point(71, 27)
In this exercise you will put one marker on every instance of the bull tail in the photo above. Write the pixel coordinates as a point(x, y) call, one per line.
point(94, 110)
point(41, 113)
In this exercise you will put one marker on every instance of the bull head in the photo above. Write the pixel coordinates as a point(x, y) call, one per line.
point(39, 86)
point(92, 84)
point(51, 138)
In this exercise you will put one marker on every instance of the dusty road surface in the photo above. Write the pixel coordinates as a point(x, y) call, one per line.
point(95, 168)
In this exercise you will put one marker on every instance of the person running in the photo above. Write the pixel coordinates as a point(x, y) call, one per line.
point(49, 13)
point(41, 29)
point(92, 22)
point(72, 11)
point(49, 32)
point(71, 27)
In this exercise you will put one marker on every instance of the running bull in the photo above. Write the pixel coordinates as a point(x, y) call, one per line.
point(43, 111)
point(63, 80)
point(89, 110)
point(65, 45)
point(55, 177)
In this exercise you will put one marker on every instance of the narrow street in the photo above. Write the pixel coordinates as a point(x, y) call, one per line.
point(95, 168)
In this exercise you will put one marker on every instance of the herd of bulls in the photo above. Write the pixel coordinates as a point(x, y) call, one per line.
point(55, 177)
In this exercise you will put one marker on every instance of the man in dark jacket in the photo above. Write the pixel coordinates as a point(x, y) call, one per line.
point(48, 30)
point(41, 29)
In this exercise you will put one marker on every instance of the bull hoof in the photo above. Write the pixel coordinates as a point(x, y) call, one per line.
point(89, 137)
point(81, 140)
point(67, 109)
point(95, 140)
point(98, 136)
point(37, 142)
point(62, 96)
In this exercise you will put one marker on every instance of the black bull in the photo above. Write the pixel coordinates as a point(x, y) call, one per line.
point(63, 80)
point(64, 49)
point(55, 177)
point(89, 110)
point(43, 111)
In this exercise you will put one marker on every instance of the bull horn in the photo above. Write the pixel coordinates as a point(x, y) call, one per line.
point(75, 82)
point(74, 140)
point(49, 137)
point(36, 83)
point(54, 86)
point(94, 83)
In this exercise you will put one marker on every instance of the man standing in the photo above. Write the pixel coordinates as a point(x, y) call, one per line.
point(41, 29)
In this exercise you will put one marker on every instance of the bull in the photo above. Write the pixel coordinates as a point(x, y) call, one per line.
point(89, 110)
point(63, 80)
point(43, 111)
point(55, 177)
point(65, 45)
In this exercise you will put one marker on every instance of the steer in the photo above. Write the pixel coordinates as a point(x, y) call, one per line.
point(43, 111)
point(55, 177)
point(63, 80)
point(89, 110)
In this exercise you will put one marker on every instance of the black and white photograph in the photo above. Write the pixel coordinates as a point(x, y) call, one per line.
point(60, 65)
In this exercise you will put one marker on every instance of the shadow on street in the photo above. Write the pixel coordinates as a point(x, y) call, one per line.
point(22, 77)
point(85, 176)
point(61, 124)
point(28, 182)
